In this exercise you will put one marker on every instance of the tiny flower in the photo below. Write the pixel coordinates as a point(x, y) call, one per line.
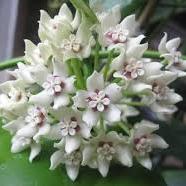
point(14, 99)
point(70, 129)
point(37, 54)
point(169, 50)
point(144, 142)
point(98, 100)
point(71, 160)
point(56, 87)
point(56, 29)
point(111, 32)
point(100, 151)
point(163, 99)
point(77, 45)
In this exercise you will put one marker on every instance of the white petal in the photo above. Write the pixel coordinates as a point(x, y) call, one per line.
point(65, 12)
point(162, 46)
point(145, 161)
point(20, 145)
point(174, 98)
point(72, 143)
point(158, 142)
point(85, 130)
point(124, 155)
point(72, 171)
point(95, 81)
point(61, 100)
point(42, 98)
point(54, 133)
point(129, 23)
point(80, 99)
point(139, 86)
point(90, 117)
point(35, 150)
point(144, 127)
point(152, 68)
point(103, 166)
point(14, 126)
point(137, 51)
point(114, 92)
point(56, 159)
point(173, 44)
point(59, 69)
point(88, 152)
point(112, 114)
point(44, 130)
point(69, 85)
point(27, 131)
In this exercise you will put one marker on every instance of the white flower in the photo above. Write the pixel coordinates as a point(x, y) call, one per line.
point(100, 151)
point(112, 32)
point(129, 65)
point(28, 130)
point(144, 142)
point(99, 100)
point(169, 50)
point(56, 29)
point(37, 54)
point(14, 99)
point(20, 143)
point(77, 45)
point(71, 160)
point(32, 125)
point(163, 98)
point(56, 87)
point(70, 129)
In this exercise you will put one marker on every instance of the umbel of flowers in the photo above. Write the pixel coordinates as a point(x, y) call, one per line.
point(74, 90)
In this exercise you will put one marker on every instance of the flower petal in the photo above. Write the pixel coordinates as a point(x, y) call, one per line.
point(145, 161)
point(103, 166)
point(42, 98)
point(80, 99)
point(72, 143)
point(112, 114)
point(87, 153)
point(56, 158)
point(124, 155)
point(35, 150)
point(90, 117)
point(65, 13)
point(95, 81)
point(27, 131)
point(72, 171)
point(173, 44)
point(114, 92)
point(43, 130)
point(61, 100)
point(158, 142)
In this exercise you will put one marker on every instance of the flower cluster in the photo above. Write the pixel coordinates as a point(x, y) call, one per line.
point(68, 92)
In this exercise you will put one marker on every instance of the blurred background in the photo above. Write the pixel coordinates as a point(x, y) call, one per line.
point(19, 21)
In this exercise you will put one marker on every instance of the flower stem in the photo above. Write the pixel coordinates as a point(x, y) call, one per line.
point(106, 69)
point(96, 56)
point(75, 64)
point(133, 103)
point(11, 63)
point(101, 54)
point(124, 127)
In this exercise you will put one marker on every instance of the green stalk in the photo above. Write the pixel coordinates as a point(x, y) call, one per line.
point(102, 54)
point(75, 64)
point(11, 63)
point(106, 68)
point(96, 56)
point(133, 103)
point(124, 127)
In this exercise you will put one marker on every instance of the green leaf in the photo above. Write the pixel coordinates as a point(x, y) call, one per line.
point(175, 177)
point(15, 170)
point(84, 8)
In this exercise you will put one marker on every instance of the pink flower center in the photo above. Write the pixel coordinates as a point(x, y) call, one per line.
point(98, 101)
point(54, 85)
